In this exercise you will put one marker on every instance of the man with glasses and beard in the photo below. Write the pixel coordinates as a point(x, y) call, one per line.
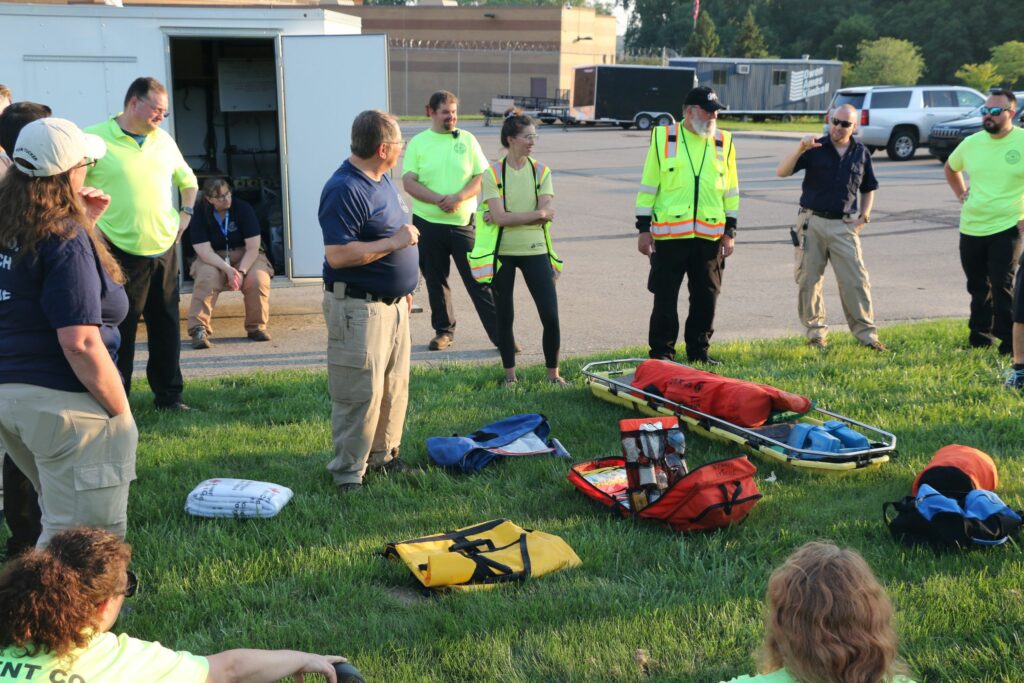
point(991, 222)
point(828, 226)
point(142, 227)
point(686, 212)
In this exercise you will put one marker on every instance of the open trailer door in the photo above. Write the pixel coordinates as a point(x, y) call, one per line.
point(325, 82)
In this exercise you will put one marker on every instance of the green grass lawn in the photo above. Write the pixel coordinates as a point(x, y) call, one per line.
point(647, 604)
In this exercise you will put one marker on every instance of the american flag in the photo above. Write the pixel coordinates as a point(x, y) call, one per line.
point(696, 11)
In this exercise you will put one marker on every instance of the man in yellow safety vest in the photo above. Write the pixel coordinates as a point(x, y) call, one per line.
point(686, 213)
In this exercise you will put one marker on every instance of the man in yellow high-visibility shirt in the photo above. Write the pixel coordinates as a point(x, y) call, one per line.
point(991, 225)
point(143, 226)
point(442, 171)
point(686, 212)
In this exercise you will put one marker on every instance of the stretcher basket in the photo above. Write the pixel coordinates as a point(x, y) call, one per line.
point(610, 381)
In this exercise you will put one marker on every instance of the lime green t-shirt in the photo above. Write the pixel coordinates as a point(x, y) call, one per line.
point(995, 168)
point(783, 676)
point(107, 659)
point(519, 240)
point(444, 163)
point(142, 218)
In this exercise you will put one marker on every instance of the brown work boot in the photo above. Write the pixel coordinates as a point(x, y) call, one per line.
point(817, 342)
point(441, 342)
point(259, 336)
point(877, 346)
point(201, 338)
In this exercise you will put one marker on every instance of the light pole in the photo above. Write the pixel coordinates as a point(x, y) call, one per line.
point(839, 46)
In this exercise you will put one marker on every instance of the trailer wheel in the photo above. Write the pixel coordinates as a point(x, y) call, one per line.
point(665, 120)
point(625, 126)
point(644, 122)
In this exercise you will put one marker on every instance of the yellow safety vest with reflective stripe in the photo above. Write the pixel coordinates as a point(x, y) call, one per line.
point(689, 185)
point(483, 260)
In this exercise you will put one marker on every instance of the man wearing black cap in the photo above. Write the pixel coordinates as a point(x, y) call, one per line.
point(686, 212)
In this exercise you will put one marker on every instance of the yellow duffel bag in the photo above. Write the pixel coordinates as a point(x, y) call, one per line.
point(483, 555)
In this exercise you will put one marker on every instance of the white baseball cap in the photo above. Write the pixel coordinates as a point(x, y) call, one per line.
point(49, 147)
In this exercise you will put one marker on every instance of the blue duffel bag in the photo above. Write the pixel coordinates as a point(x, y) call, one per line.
point(514, 436)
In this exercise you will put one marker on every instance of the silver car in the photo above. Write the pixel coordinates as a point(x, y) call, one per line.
point(899, 118)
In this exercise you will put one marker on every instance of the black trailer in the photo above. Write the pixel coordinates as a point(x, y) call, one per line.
point(768, 87)
point(630, 95)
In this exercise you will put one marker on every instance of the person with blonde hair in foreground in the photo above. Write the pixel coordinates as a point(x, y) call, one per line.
point(828, 621)
point(60, 603)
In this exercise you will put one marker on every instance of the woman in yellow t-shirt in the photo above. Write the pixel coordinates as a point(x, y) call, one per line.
point(522, 208)
point(60, 602)
point(829, 620)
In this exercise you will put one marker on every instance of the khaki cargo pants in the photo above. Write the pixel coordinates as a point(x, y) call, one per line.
point(368, 350)
point(823, 240)
point(79, 459)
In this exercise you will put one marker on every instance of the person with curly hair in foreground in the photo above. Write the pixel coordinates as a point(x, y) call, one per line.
point(828, 621)
point(60, 602)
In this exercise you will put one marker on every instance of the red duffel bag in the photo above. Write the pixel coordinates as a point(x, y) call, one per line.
point(746, 404)
point(712, 496)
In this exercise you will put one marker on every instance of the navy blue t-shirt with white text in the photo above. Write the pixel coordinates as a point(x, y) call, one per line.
point(353, 207)
point(60, 285)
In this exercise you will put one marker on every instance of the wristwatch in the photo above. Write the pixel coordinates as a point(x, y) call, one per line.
point(188, 210)
point(866, 219)
point(243, 272)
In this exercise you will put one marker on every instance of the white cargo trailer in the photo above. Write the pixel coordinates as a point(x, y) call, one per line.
point(265, 96)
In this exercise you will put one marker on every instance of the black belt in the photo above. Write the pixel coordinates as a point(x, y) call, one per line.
point(830, 215)
point(353, 292)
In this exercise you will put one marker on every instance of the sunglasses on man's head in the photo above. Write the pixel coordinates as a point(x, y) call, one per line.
point(133, 584)
point(842, 124)
point(993, 111)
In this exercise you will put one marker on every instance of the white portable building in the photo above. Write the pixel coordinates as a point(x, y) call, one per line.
point(265, 96)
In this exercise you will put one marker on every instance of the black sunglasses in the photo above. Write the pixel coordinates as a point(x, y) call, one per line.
point(842, 124)
point(133, 584)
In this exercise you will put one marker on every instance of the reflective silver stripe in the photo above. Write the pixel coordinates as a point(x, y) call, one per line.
point(720, 147)
point(649, 189)
point(644, 211)
point(671, 146)
point(732, 193)
point(732, 214)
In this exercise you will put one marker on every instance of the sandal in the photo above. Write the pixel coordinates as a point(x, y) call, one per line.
point(558, 381)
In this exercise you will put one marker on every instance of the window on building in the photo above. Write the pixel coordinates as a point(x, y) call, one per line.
point(718, 76)
point(779, 76)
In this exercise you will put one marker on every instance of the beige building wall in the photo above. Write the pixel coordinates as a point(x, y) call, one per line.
point(482, 52)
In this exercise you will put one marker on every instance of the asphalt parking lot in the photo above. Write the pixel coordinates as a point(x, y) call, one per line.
point(910, 249)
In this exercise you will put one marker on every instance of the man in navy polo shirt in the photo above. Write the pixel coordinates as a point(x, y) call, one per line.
point(829, 224)
point(371, 266)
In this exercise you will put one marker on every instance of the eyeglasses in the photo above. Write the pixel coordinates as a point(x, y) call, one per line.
point(133, 584)
point(400, 143)
point(85, 164)
point(532, 137)
point(993, 111)
point(163, 113)
point(226, 195)
point(842, 124)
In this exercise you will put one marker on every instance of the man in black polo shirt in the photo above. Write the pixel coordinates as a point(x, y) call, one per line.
point(829, 224)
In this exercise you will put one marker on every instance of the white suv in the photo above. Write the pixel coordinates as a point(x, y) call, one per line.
point(899, 118)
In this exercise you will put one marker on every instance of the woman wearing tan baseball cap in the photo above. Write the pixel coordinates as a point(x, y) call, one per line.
point(64, 414)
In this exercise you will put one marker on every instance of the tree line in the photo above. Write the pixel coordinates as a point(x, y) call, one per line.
point(880, 41)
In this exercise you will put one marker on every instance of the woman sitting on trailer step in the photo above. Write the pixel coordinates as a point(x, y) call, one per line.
point(513, 231)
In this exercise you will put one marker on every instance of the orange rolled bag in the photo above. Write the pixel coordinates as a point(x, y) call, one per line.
point(746, 404)
point(956, 470)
